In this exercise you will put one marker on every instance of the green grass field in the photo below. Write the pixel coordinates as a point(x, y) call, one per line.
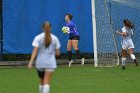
point(77, 79)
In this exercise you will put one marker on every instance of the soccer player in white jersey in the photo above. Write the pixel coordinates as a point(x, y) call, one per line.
point(46, 47)
point(127, 43)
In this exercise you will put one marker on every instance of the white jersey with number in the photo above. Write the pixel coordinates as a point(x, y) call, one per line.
point(46, 56)
point(127, 42)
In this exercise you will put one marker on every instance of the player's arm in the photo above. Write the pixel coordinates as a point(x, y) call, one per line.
point(58, 45)
point(74, 27)
point(121, 33)
point(33, 57)
point(57, 52)
point(35, 44)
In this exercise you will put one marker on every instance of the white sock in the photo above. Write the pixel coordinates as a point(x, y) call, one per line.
point(123, 61)
point(133, 56)
point(40, 88)
point(46, 88)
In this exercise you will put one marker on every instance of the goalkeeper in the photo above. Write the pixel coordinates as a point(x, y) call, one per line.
point(74, 37)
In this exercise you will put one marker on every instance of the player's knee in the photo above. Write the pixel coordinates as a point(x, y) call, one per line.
point(123, 56)
point(41, 81)
point(75, 48)
point(68, 48)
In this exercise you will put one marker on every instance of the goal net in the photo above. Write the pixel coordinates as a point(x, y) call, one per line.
point(126, 9)
point(109, 16)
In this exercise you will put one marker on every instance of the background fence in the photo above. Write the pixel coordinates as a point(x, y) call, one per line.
point(21, 21)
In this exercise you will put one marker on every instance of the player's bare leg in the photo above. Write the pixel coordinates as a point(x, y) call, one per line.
point(75, 46)
point(47, 79)
point(69, 47)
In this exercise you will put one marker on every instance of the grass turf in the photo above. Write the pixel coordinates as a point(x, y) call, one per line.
point(77, 79)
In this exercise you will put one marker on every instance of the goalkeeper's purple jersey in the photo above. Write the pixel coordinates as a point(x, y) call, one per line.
point(73, 28)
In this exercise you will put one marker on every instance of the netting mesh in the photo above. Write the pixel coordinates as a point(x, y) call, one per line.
point(126, 9)
point(106, 44)
point(109, 17)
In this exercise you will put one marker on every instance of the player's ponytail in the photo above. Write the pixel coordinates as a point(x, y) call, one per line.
point(128, 23)
point(47, 29)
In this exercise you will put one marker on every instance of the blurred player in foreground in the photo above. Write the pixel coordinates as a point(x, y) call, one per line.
point(46, 47)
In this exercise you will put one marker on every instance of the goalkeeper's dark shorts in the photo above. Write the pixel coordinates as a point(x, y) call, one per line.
point(74, 37)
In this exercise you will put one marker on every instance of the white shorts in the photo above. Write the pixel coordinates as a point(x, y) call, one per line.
point(46, 69)
point(127, 44)
point(41, 71)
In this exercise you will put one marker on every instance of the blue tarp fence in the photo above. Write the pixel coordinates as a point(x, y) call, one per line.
point(23, 19)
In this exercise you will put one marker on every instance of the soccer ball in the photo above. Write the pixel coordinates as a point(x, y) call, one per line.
point(65, 30)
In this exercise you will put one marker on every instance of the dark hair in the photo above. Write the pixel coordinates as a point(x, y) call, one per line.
point(128, 23)
point(47, 40)
point(69, 15)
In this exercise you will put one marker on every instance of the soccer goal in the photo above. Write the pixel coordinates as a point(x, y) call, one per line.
point(107, 17)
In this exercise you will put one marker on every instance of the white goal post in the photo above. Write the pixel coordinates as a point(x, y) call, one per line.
point(94, 33)
point(105, 49)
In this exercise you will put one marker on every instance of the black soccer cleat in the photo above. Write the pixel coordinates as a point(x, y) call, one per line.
point(123, 68)
point(135, 61)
